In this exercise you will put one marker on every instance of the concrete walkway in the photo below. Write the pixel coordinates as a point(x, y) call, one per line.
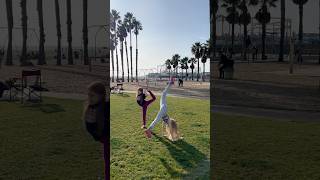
point(282, 115)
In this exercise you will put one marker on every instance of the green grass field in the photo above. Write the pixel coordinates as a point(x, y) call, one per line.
point(254, 148)
point(47, 141)
point(135, 157)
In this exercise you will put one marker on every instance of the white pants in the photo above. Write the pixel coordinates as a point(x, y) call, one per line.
point(163, 107)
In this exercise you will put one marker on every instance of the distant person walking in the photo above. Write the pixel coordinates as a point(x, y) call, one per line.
point(254, 53)
point(221, 65)
point(299, 56)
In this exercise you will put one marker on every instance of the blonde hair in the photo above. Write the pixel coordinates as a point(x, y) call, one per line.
point(172, 132)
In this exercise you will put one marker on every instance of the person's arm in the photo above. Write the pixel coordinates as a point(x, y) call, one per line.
point(152, 96)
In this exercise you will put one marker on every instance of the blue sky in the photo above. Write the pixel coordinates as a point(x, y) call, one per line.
point(169, 27)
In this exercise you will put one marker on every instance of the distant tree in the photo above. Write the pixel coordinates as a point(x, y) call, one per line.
point(24, 20)
point(300, 3)
point(232, 16)
point(168, 66)
point(85, 32)
point(192, 61)
point(58, 26)
point(282, 29)
point(115, 17)
point(121, 33)
point(245, 19)
point(10, 27)
point(184, 66)
point(196, 51)
point(175, 62)
point(263, 17)
point(69, 29)
point(137, 27)
point(205, 53)
point(42, 55)
point(128, 20)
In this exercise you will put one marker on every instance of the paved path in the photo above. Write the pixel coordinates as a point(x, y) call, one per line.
point(283, 115)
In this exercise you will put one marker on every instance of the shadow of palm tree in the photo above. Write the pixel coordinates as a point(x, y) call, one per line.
point(46, 108)
point(186, 155)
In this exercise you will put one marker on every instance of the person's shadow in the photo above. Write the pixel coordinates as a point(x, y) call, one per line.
point(186, 155)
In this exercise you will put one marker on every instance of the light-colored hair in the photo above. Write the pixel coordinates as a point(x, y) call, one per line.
point(172, 132)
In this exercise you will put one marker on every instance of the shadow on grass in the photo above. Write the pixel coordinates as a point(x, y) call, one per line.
point(186, 155)
point(46, 108)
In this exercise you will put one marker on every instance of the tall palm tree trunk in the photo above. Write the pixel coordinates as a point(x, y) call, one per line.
point(232, 30)
point(245, 36)
point(283, 19)
point(319, 33)
point(186, 78)
point(24, 20)
point(192, 74)
point(136, 58)
point(263, 54)
point(117, 63)
point(128, 65)
point(69, 24)
point(198, 73)
point(85, 33)
point(112, 64)
point(131, 56)
point(300, 28)
point(58, 26)
point(203, 72)
point(42, 55)
point(122, 67)
point(10, 27)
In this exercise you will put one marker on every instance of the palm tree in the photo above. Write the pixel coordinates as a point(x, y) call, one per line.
point(115, 17)
point(112, 48)
point(213, 25)
point(58, 26)
point(10, 27)
point(24, 20)
point(69, 24)
point(192, 61)
point(125, 35)
point(85, 32)
point(282, 29)
point(245, 19)
point(168, 65)
point(204, 56)
point(175, 62)
point(232, 17)
point(196, 51)
point(112, 42)
point(121, 31)
point(184, 66)
point(300, 3)
point(42, 55)
point(136, 28)
point(128, 20)
point(264, 17)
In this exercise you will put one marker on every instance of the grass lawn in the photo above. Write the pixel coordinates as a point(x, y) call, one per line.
point(252, 148)
point(47, 141)
point(135, 157)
